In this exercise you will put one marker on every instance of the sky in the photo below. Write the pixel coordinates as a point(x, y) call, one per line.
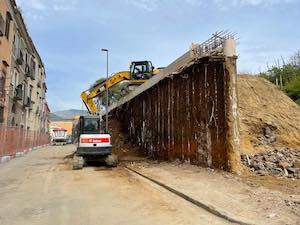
point(69, 35)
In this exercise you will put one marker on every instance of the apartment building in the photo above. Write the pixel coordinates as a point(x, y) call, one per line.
point(22, 74)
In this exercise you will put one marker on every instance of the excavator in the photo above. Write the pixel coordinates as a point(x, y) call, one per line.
point(94, 142)
point(138, 73)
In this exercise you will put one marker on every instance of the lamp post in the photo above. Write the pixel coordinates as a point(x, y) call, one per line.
point(106, 122)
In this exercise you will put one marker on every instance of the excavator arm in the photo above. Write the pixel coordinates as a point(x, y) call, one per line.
point(89, 95)
point(139, 72)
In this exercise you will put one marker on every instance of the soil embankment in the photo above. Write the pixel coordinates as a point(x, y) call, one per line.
point(268, 118)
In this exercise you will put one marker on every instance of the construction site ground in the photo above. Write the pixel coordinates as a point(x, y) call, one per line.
point(42, 188)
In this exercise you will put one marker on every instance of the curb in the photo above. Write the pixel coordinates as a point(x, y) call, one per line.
point(5, 159)
point(18, 154)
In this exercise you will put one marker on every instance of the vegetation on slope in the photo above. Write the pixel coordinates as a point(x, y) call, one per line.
point(287, 76)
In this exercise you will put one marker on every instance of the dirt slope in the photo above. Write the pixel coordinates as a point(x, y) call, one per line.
point(121, 146)
point(268, 118)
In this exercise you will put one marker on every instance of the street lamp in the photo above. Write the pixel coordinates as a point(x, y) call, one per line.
point(106, 122)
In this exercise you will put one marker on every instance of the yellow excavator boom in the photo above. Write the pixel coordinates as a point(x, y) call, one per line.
point(89, 95)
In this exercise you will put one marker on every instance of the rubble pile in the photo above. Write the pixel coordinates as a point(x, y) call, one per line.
point(121, 146)
point(268, 136)
point(280, 162)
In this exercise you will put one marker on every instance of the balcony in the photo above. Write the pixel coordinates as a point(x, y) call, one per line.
point(18, 94)
point(2, 26)
point(2, 93)
point(2, 89)
point(19, 57)
point(39, 84)
point(2, 98)
point(28, 103)
point(30, 72)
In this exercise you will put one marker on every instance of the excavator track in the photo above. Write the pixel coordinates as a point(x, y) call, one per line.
point(78, 162)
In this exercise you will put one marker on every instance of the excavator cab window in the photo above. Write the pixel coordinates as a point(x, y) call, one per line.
point(141, 70)
point(89, 125)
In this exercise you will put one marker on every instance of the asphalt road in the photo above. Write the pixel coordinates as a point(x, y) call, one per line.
point(41, 188)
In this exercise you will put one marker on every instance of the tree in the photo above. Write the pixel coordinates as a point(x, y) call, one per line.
point(293, 89)
point(289, 74)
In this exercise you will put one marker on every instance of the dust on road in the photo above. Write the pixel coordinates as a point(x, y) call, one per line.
point(41, 188)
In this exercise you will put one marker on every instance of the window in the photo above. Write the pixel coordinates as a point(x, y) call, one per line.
point(24, 93)
point(30, 92)
point(60, 133)
point(2, 26)
point(7, 24)
point(16, 44)
point(2, 84)
point(91, 125)
point(15, 79)
point(1, 114)
point(13, 108)
point(32, 68)
point(141, 70)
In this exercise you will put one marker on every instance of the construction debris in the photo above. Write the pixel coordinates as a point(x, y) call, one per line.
point(121, 146)
point(283, 162)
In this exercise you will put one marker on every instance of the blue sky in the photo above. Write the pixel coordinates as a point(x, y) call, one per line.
point(70, 33)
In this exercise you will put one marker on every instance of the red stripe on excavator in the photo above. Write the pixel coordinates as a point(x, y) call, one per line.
point(94, 140)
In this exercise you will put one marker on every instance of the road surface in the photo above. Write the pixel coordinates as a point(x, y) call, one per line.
point(41, 188)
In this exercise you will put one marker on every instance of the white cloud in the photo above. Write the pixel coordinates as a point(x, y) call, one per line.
point(225, 4)
point(148, 5)
point(64, 5)
point(264, 2)
point(37, 9)
point(151, 5)
point(33, 4)
point(194, 2)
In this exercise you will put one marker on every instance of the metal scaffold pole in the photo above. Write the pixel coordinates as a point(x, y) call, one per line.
point(106, 120)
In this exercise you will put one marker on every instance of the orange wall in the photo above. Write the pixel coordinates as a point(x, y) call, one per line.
point(68, 125)
point(5, 45)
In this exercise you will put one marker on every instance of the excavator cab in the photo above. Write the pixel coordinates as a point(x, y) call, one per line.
point(141, 70)
point(94, 143)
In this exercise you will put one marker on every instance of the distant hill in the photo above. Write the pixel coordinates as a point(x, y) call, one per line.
point(66, 114)
point(53, 117)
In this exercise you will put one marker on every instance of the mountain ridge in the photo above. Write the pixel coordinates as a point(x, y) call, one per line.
point(66, 114)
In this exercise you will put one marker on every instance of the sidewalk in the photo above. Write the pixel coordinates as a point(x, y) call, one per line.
point(15, 141)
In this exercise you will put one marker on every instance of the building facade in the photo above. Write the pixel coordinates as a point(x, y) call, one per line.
point(22, 74)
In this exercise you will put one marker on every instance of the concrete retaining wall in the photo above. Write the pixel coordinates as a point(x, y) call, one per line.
point(190, 115)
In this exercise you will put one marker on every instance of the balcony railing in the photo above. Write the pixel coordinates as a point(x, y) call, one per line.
point(2, 89)
point(18, 95)
point(19, 57)
point(28, 103)
point(30, 72)
point(2, 26)
point(39, 84)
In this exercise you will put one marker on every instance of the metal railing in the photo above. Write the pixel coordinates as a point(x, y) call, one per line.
point(16, 139)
